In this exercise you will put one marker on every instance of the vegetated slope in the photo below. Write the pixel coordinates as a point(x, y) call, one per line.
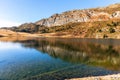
point(98, 29)
point(93, 23)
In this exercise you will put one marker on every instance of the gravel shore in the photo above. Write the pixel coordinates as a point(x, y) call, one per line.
point(107, 77)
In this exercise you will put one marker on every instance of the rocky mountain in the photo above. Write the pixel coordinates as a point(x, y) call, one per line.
point(77, 16)
point(95, 22)
point(87, 15)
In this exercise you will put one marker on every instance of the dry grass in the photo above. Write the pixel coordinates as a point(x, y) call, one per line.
point(11, 34)
point(8, 33)
point(57, 34)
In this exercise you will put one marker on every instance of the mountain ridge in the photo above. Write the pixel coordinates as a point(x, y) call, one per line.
point(85, 15)
point(81, 15)
point(91, 23)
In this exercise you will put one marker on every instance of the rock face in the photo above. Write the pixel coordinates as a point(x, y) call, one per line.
point(77, 16)
point(116, 14)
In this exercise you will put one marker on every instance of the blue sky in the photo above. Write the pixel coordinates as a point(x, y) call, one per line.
point(15, 12)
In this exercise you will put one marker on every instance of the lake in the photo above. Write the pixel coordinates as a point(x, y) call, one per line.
point(58, 58)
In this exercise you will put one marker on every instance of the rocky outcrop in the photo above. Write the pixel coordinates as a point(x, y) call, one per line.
point(77, 16)
point(116, 14)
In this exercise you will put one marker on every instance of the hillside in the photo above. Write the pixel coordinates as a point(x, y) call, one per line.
point(87, 15)
point(90, 23)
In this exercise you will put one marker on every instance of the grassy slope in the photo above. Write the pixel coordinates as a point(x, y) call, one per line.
point(9, 33)
point(98, 29)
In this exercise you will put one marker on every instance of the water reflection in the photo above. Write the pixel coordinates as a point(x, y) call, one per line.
point(103, 53)
point(18, 62)
point(58, 59)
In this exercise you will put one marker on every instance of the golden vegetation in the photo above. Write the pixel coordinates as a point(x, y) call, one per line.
point(9, 33)
point(98, 29)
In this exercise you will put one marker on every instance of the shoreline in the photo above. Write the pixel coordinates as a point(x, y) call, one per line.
point(106, 77)
point(9, 34)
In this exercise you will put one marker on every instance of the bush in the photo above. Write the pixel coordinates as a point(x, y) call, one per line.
point(111, 30)
point(105, 36)
point(99, 30)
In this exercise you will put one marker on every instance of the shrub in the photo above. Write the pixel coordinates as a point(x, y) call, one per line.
point(111, 30)
point(105, 36)
point(99, 30)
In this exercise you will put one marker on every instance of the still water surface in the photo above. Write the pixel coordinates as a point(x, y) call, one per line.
point(58, 59)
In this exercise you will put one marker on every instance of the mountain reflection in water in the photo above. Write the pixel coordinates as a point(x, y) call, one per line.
point(102, 53)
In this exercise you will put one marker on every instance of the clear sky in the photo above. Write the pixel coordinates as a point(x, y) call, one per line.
point(15, 12)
